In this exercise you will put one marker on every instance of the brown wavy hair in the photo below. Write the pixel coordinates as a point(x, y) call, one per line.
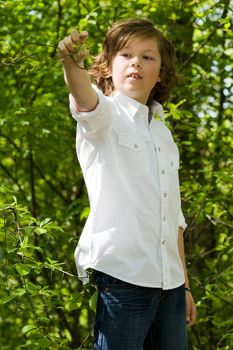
point(117, 37)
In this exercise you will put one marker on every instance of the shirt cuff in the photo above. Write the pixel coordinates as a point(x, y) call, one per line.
point(91, 114)
point(182, 222)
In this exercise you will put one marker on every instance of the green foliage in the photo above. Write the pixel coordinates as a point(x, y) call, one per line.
point(40, 300)
point(42, 304)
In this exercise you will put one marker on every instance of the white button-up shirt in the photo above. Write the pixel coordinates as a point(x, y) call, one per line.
point(130, 168)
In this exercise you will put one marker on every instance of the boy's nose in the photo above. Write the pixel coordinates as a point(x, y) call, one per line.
point(135, 62)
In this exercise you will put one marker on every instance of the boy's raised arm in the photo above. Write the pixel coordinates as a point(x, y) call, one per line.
point(76, 78)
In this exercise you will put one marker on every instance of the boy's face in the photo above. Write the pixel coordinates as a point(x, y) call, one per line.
point(136, 68)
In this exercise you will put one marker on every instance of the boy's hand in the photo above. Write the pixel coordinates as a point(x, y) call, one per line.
point(72, 48)
point(190, 310)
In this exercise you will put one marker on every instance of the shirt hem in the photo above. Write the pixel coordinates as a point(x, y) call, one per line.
point(85, 279)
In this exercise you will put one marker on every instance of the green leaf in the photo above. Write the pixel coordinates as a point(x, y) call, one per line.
point(40, 230)
point(93, 300)
point(85, 212)
point(24, 244)
point(22, 269)
point(32, 288)
point(19, 292)
point(28, 328)
point(45, 222)
point(44, 343)
point(43, 320)
point(75, 301)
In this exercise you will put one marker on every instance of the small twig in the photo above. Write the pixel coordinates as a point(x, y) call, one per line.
point(58, 269)
point(218, 25)
point(18, 234)
point(85, 339)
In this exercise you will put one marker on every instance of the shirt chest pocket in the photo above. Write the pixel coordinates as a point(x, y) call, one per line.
point(133, 155)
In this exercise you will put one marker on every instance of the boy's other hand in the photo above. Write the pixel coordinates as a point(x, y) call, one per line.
point(190, 310)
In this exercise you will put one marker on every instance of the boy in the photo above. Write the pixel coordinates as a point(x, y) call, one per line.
point(133, 237)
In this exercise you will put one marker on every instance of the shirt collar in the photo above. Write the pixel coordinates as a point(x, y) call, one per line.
point(134, 108)
point(156, 109)
point(131, 107)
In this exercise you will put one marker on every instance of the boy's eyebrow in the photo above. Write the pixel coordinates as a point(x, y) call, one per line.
point(146, 50)
point(150, 50)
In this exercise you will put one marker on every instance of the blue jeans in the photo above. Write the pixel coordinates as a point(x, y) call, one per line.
point(131, 317)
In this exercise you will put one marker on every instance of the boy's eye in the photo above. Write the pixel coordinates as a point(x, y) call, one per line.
point(148, 58)
point(127, 55)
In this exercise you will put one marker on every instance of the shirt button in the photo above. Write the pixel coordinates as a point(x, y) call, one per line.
point(164, 218)
point(171, 163)
point(165, 194)
point(163, 242)
point(136, 145)
point(163, 172)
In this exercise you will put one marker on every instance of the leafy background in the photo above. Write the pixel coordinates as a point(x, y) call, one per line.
point(43, 200)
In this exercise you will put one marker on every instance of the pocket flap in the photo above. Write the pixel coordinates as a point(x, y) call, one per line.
point(132, 142)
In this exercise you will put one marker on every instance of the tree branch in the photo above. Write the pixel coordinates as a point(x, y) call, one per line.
point(217, 26)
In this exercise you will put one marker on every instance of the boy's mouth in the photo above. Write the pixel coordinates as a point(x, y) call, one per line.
point(135, 76)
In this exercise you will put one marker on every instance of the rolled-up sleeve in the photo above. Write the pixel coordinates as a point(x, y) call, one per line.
point(182, 222)
point(94, 123)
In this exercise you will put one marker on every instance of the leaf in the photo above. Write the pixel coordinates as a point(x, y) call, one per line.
point(40, 230)
point(44, 343)
point(32, 288)
point(45, 222)
point(19, 292)
point(93, 300)
point(24, 244)
point(84, 214)
point(75, 302)
point(28, 328)
point(54, 227)
point(22, 269)
point(43, 320)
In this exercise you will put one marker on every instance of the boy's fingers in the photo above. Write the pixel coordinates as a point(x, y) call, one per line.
point(69, 44)
point(193, 315)
point(65, 46)
point(78, 37)
point(83, 35)
point(75, 36)
point(62, 50)
point(83, 55)
point(190, 310)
